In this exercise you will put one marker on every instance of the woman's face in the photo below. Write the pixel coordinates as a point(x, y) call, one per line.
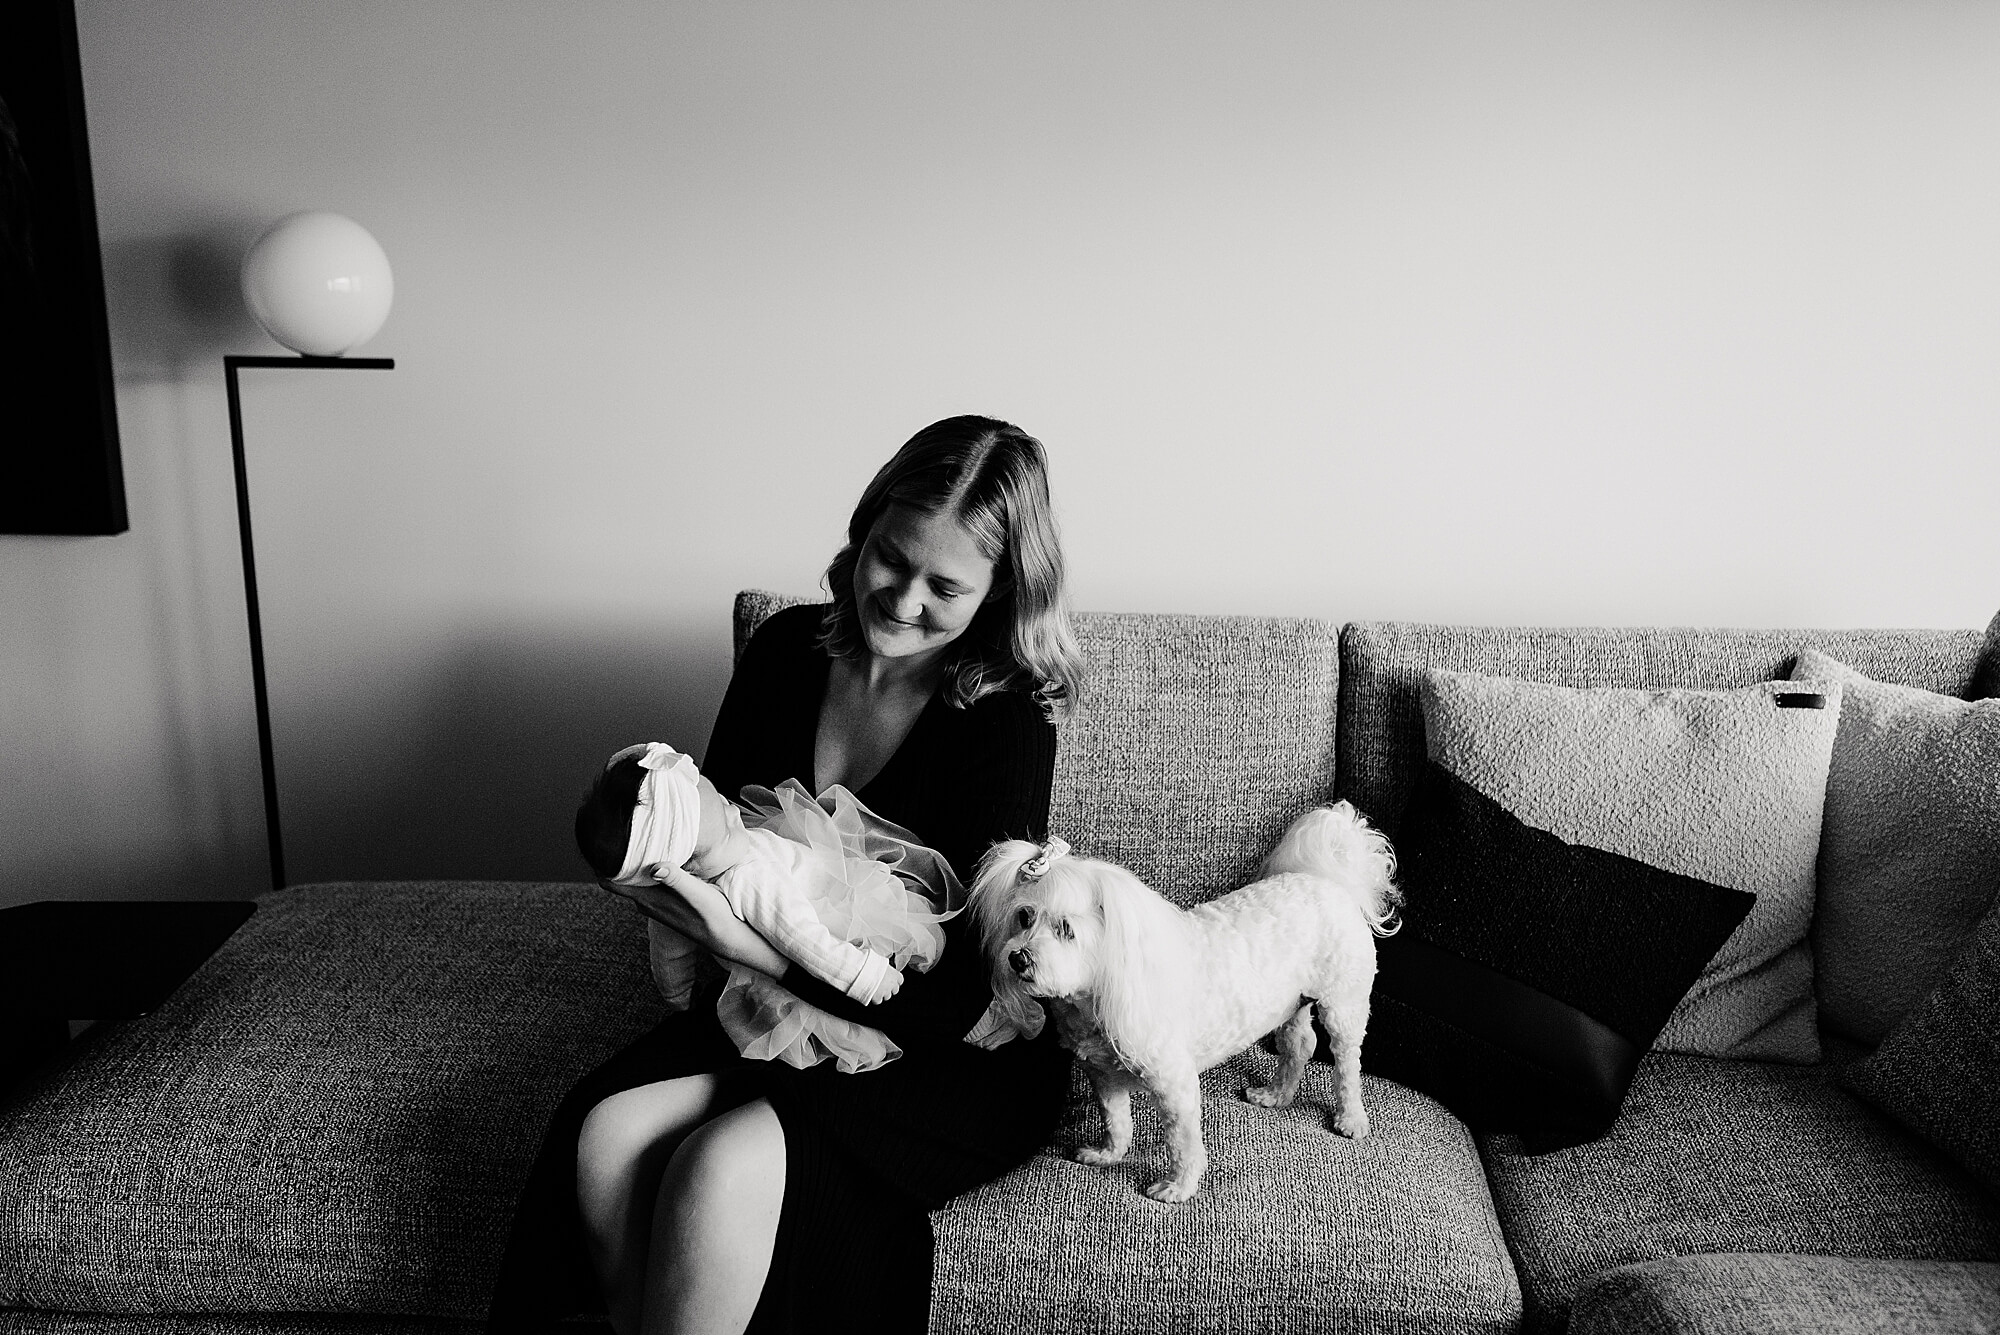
point(918, 582)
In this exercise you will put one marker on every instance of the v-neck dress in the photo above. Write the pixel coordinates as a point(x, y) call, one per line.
point(866, 1155)
point(945, 1116)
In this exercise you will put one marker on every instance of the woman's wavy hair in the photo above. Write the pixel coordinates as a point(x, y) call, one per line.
point(993, 478)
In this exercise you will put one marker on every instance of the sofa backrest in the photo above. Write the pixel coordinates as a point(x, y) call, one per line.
point(1381, 721)
point(1198, 740)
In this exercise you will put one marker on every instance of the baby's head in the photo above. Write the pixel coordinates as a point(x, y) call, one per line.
point(604, 817)
point(650, 809)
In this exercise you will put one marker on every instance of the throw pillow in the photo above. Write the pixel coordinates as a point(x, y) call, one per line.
point(1909, 854)
point(1722, 786)
point(1938, 1072)
point(1643, 859)
point(1530, 974)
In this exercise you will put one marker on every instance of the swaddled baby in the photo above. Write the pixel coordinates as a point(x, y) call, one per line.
point(851, 898)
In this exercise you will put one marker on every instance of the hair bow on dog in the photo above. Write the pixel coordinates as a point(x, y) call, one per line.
point(1038, 866)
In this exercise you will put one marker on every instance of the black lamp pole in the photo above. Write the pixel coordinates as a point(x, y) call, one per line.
point(230, 366)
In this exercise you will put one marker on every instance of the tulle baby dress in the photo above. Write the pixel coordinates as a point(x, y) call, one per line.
point(871, 883)
point(838, 890)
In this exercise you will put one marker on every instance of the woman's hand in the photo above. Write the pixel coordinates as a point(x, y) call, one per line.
point(697, 910)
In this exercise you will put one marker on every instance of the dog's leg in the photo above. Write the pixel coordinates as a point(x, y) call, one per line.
point(1187, 1157)
point(1295, 1048)
point(1345, 1020)
point(1114, 1096)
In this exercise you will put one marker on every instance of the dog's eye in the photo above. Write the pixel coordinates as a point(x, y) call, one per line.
point(1064, 932)
point(1025, 916)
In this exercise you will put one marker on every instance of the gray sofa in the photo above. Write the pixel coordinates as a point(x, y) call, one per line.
point(325, 1128)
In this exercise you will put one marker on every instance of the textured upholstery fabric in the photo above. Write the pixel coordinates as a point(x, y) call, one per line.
point(333, 1115)
point(1939, 1070)
point(1909, 858)
point(1200, 738)
point(1754, 1295)
point(84, 1323)
point(1986, 680)
point(1295, 1229)
point(1720, 786)
point(1381, 662)
point(1726, 1156)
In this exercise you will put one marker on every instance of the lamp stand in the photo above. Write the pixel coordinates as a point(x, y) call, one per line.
point(230, 366)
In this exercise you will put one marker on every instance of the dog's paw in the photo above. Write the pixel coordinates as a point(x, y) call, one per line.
point(1352, 1122)
point(1172, 1191)
point(1098, 1158)
point(1269, 1096)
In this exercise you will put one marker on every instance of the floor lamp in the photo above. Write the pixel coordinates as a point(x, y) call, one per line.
point(320, 285)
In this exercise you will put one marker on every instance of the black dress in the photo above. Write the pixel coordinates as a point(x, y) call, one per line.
point(866, 1156)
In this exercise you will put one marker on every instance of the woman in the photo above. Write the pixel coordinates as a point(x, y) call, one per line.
point(716, 1194)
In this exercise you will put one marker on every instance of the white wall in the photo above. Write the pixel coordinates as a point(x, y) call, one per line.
point(1538, 312)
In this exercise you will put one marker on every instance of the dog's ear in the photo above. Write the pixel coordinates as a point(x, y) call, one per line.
point(1144, 967)
point(993, 897)
point(1010, 1015)
point(996, 890)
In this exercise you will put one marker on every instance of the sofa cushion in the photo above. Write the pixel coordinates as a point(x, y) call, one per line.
point(1530, 974)
point(334, 1114)
point(1723, 1156)
point(1723, 787)
point(1986, 680)
point(1381, 665)
point(1909, 856)
point(1199, 739)
point(224, 1323)
point(1939, 1071)
point(1294, 1229)
point(1752, 1295)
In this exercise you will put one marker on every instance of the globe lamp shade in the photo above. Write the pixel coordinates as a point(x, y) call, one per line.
point(318, 283)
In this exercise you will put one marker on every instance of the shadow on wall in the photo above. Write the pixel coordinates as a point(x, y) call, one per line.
point(177, 302)
point(470, 766)
point(135, 671)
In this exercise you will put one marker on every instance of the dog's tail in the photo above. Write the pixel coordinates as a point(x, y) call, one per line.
point(1336, 843)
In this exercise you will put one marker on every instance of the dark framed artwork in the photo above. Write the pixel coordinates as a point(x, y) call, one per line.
point(59, 465)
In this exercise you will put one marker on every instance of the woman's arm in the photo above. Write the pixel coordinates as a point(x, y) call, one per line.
point(931, 1010)
point(697, 910)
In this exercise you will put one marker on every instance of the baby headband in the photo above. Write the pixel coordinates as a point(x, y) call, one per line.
point(1037, 866)
point(667, 819)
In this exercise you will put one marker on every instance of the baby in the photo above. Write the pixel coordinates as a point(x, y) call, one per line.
point(849, 897)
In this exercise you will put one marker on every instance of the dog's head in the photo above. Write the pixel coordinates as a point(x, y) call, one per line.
point(1078, 929)
point(1039, 918)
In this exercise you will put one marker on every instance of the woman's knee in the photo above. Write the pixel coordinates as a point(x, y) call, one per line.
point(732, 1162)
point(624, 1128)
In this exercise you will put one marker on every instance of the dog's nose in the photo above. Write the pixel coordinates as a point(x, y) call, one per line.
point(1021, 961)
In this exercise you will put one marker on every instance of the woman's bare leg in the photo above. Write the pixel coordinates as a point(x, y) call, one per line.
point(623, 1148)
point(715, 1223)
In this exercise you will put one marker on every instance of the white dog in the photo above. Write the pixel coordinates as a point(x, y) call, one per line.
point(1147, 994)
